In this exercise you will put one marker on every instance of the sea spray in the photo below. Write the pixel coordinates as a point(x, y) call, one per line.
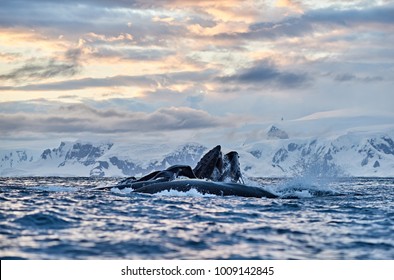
point(312, 176)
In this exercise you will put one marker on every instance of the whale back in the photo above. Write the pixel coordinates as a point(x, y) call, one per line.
point(206, 187)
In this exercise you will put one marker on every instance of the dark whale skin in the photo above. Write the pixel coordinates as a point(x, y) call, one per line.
point(206, 187)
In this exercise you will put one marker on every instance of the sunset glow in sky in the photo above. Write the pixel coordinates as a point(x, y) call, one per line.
point(134, 69)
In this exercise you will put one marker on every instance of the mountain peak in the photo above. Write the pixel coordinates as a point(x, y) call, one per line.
point(275, 132)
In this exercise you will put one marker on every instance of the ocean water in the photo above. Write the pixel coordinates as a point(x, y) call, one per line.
point(63, 218)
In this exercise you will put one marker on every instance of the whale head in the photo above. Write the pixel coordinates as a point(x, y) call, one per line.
point(210, 165)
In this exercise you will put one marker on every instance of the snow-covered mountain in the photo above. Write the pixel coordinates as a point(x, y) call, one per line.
point(350, 154)
point(10, 161)
point(347, 155)
point(97, 159)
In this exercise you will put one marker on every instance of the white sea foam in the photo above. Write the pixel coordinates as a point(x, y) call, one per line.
point(122, 191)
point(191, 192)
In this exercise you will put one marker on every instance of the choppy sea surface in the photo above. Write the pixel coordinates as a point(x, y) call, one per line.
point(63, 218)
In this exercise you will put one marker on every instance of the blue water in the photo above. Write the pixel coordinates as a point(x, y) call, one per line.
point(63, 218)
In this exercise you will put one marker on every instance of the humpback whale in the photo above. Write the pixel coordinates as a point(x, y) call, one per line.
point(214, 174)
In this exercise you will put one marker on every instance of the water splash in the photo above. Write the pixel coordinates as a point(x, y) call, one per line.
point(125, 191)
point(304, 187)
point(312, 177)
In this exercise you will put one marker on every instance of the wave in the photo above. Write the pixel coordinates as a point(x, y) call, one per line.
point(42, 220)
point(56, 188)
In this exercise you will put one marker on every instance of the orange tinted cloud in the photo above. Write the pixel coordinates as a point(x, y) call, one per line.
point(291, 4)
point(221, 10)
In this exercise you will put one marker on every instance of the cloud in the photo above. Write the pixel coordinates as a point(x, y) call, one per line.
point(119, 81)
point(376, 14)
point(314, 20)
point(344, 77)
point(291, 4)
point(84, 83)
point(351, 77)
point(41, 70)
point(45, 68)
point(9, 56)
point(95, 22)
point(134, 21)
point(132, 53)
point(126, 22)
point(214, 56)
point(265, 72)
point(79, 118)
point(121, 104)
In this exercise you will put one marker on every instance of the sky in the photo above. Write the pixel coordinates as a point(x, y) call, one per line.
point(184, 70)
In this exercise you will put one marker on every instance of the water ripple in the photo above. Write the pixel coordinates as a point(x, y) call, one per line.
point(62, 218)
point(42, 220)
